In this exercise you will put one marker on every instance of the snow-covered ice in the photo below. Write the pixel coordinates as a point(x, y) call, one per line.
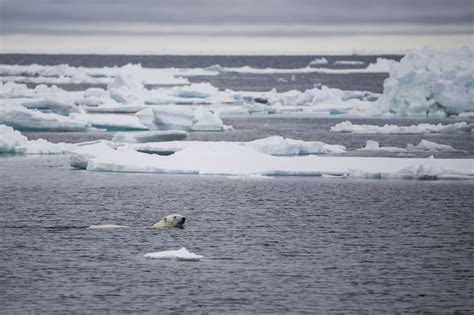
point(180, 254)
point(347, 126)
point(230, 159)
point(349, 62)
point(150, 136)
point(110, 121)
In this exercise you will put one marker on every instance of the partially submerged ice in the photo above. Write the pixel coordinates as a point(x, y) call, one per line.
point(347, 126)
point(180, 254)
point(430, 82)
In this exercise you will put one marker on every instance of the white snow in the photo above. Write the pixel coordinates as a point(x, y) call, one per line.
point(149, 136)
point(423, 146)
point(430, 82)
point(181, 118)
point(180, 254)
point(13, 142)
point(347, 126)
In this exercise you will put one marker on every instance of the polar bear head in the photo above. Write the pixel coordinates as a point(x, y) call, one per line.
point(174, 220)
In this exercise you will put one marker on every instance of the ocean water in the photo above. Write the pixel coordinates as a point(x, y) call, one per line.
point(283, 245)
point(277, 245)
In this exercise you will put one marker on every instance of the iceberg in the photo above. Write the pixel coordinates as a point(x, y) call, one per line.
point(180, 254)
point(239, 160)
point(82, 153)
point(423, 146)
point(430, 82)
point(25, 119)
point(181, 118)
point(347, 126)
point(149, 136)
point(13, 142)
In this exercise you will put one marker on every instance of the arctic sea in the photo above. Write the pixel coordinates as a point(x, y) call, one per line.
point(271, 245)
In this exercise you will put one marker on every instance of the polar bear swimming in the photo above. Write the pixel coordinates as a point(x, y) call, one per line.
point(174, 220)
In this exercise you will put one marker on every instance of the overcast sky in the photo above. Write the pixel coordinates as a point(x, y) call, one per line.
point(296, 26)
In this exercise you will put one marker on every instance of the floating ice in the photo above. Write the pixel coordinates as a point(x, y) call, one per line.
point(180, 254)
point(13, 142)
point(274, 145)
point(349, 62)
point(318, 61)
point(347, 126)
point(149, 136)
point(230, 159)
point(423, 146)
point(181, 118)
point(277, 145)
point(110, 121)
point(430, 82)
point(82, 153)
point(21, 118)
point(107, 226)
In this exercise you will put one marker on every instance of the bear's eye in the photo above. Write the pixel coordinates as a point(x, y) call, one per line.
point(174, 217)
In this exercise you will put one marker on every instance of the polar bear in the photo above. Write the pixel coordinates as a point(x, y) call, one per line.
point(174, 220)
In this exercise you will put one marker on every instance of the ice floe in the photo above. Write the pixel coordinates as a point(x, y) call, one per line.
point(181, 118)
point(347, 126)
point(423, 146)
point(25, 119)
point(150, 136)
point(231, 159)
point(13, 142)
point(430, 82)
point(180, 254)
point(349, 62)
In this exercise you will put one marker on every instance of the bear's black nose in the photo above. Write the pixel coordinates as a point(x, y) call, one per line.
point(183, 219)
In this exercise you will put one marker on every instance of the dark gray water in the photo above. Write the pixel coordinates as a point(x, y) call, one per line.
point(284, 245)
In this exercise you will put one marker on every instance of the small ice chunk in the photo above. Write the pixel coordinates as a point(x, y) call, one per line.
point(318, 61)
point(150, 136)
point(180, 254)
point(107, 226)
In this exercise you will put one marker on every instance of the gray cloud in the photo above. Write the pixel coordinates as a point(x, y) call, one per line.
point(36, 16)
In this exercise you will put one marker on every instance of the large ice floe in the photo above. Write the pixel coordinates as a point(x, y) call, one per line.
point(233, 159)
point(13, 142)
point(181, 254)
point(430, 82)
point(347, 126)
point(423, 146)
